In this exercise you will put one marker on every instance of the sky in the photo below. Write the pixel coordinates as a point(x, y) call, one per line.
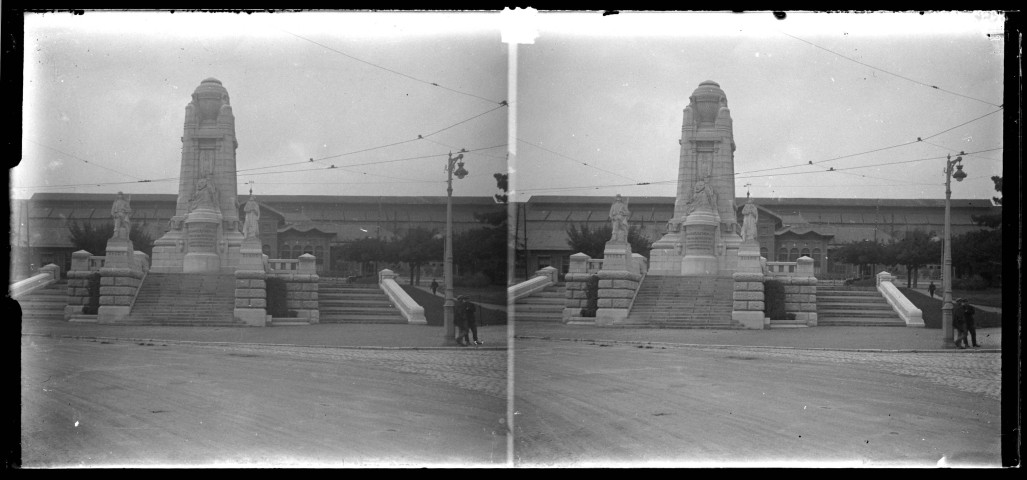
point(597, 106)
point(609, 91)
point(105, 97)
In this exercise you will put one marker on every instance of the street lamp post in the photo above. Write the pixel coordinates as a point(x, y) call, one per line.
point(447, 307)
point(946, 268)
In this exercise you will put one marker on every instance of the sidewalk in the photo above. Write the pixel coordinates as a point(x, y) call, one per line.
point(831, 338)
point(365, 335)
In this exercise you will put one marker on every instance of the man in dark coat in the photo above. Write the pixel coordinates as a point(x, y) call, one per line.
point(931, 288)
point(968, 322)
point(460, 320)
point(959, 322)
point(470, 316)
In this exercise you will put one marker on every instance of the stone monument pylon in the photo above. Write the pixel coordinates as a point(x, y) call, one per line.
point(204, 235)
point(702, 237)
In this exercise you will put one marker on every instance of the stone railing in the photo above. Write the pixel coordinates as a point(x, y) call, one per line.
point(300, 288)
point(913, 316)
point(410, 309)
point(594, 265)
point(48, 274)
point(781, 269)
point(542, 279)
point(283, 264)
point(96, 262)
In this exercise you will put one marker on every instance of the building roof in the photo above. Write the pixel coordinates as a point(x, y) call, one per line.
point(777, 202)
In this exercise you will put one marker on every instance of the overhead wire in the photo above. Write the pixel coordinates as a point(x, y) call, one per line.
point(82, 159)
point(935, 87)
point(435, 84)
point(575, 160)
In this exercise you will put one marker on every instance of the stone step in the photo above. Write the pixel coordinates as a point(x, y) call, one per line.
point(882, 307)
point(537, 308)
point(541, 301)
point(361, 319)
point(859, 322)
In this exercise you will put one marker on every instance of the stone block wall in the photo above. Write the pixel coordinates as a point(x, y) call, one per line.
point(575, 281)
point(616, 292)
point(78, 284)
point(748, 301)
point(801, 298)
point(301, 289)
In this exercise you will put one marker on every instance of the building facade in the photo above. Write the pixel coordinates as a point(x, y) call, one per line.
point(290, 225)
point(787, 228)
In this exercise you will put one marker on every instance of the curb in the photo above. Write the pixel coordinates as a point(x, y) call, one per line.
point(700, 345)
point(199, 343)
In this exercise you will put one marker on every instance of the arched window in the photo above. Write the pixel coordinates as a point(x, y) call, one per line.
point(816, 256)
point(782, 255)
point(308, 249)
point(805, 252)
point(296, 252)
point(793, 255)
point(764, 253)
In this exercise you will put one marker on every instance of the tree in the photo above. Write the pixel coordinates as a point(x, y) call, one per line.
point(482, 250)
point(914, 251)
point(365, 251)
point(417, 247)
point(991, 221)
point(864, 255)
point(93, 239)
point(592, 241)
point(502, 183)
point(978, 253)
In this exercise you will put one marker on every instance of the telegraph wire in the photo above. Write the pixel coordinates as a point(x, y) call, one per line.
point(575, 160)
point(82, 159)
point(935, 87)
point(391, 70)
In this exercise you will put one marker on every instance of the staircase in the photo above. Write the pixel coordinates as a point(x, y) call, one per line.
point(46, 303)
point(684, 302)
point(341, 302)
point(543, 306)
point(839, 305)
point(177, 299)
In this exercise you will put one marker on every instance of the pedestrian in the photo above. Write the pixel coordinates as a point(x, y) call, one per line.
point(968, 320)
point(931, 288)
point(471, 319)
point(460, 319)
point(959, 323)
point(434, 286)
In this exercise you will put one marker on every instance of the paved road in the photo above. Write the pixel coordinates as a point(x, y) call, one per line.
point(600, 404)
point(107, 403)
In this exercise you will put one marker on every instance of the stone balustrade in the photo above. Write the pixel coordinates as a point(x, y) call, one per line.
point(301, 288)
point(914, 317)
point(538, 282)
point(283, 264)
point(410, 309)
point(48, 274)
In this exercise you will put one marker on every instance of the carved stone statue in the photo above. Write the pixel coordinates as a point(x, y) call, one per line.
point(619, 214)
point(703, 197)
point(205, 195)
point(750, 215)
point(252, 211)
point(121, 211)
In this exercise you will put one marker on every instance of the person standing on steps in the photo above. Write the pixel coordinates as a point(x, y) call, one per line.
point(931, 288)
point(434, 286)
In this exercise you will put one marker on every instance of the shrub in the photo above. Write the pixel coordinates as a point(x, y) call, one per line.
point(774, 300)
point(93, 306)
point(975, 282)
point(591, 297)
point(476, 280)
point(276, 298)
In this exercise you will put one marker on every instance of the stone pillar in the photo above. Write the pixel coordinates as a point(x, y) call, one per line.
point(616, 291)
point(78, 284)
point(251, 286)
point(301, 290)
point(120, 278)
point(575, 281)
point(666, 253)
point(700, 244)
point(748, 301)
point(202, 242)
point(801, 292)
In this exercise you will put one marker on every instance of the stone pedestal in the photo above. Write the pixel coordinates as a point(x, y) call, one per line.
point(665, 255)
point(120, 278)
point(729, 259)
point(617, 257)
point(576, 281)
point(202, 239)
point(251, 286)
point(749, 258)
point(748, 302)
point(700, 244)
point(616, 291)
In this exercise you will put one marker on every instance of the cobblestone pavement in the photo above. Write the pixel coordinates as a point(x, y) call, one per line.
point(976, 372)
point(482, 370)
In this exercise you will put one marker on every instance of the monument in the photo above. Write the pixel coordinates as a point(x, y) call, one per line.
point(204, 235)
point(703, 236)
